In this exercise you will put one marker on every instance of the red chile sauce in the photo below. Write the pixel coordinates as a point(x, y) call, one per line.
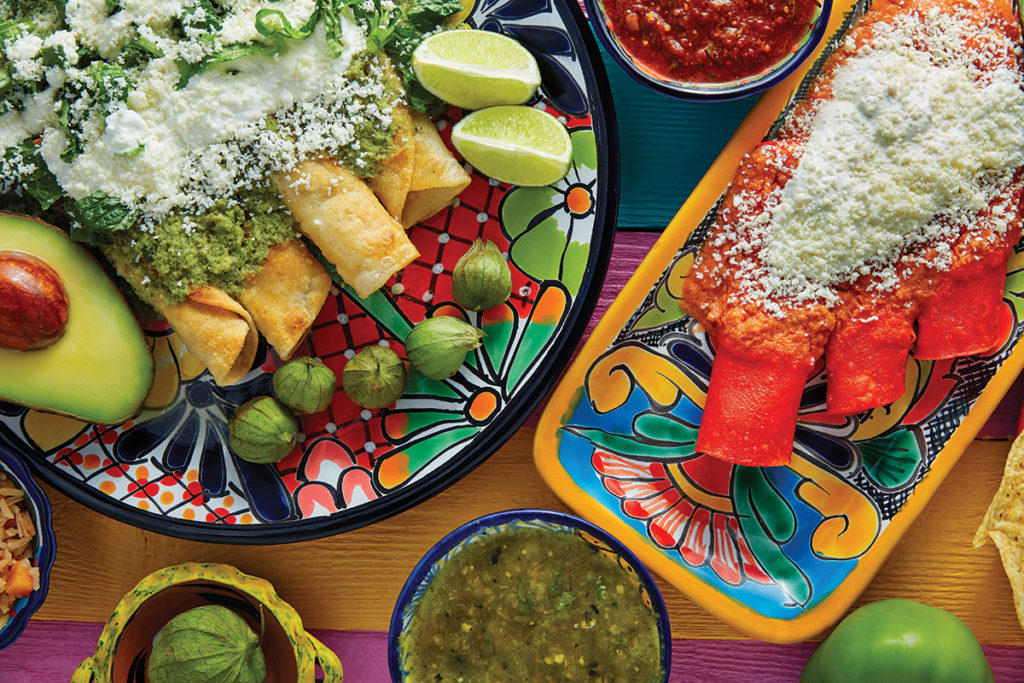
point(709, 41)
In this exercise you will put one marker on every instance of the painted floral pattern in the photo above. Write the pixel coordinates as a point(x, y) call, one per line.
point(171, 468)
point(777, 539)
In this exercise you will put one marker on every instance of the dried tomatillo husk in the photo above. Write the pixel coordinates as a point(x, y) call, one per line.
point(482, 278)
point(374, 377)
point(305, 385)
point(437, 347)
point(262, 430)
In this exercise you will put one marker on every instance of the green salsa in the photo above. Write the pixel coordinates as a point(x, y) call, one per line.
point(220, 247)
point(532, 604)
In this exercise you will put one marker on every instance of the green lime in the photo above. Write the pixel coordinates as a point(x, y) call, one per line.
point(515, 144)
point(475, 69)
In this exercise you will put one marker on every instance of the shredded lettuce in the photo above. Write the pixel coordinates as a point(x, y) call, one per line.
point(138, 51)
point(11, 28)
point(95, 219)
point(186, 69)
point(41, 17)
point(204, 16)
point(39, 183)
point(105, 84)
point(404, 33)
point(396, 31)
point(273, 24)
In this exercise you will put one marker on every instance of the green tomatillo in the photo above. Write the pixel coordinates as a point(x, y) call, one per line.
point(305, 385)
point(437, 347)
point(262, 430)
point(900, 641)
point(374, 378)
point(207, 643)
point(482, 278)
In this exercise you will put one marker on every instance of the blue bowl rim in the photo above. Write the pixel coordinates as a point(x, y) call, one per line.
point(46, 543)
point(439, 549)
point(706, 91)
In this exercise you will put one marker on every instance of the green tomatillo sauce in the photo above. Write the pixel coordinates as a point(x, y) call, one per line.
point(220, 247)
point(531, 604)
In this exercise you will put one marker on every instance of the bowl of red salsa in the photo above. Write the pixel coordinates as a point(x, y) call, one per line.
point(709, 49)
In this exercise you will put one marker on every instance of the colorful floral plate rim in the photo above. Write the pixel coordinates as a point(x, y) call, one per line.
point(169, 469)
point(779, 553)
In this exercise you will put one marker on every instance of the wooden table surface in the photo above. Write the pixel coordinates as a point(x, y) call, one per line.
point(350, 581)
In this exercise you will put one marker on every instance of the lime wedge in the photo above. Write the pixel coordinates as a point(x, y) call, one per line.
point(515, 144)
point(474, 69)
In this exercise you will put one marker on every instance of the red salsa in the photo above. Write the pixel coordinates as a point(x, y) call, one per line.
point(709, 41)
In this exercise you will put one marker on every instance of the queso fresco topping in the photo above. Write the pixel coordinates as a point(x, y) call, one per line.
point(532, 604)
point(709, 40)
point(161, 121)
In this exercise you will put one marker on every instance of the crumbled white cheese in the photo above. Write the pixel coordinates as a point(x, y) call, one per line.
point(39, 112)
point(189, 131)
point(901, 141)
point(64, 42)
point(125, 132)
point(21, 53)
point(915, 139)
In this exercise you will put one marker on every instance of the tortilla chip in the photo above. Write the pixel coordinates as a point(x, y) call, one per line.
point(1004, 524)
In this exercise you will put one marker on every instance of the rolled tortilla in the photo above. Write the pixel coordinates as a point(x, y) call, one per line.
point(339, 213)
point(286, 295)
point(216, 330)
point(391, 184)
point(437, 177)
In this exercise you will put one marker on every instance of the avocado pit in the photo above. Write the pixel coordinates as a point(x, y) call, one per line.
point(33, 302)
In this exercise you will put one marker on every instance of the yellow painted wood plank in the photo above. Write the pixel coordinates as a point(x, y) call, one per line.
point(350, 581)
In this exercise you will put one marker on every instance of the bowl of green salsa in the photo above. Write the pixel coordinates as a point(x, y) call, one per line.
point(529, 595)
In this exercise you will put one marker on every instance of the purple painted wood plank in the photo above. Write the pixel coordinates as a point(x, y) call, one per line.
point(49, 651)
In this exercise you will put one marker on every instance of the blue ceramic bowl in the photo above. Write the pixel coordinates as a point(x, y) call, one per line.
point(427, 568)
point(46, 546)
point(691, 90)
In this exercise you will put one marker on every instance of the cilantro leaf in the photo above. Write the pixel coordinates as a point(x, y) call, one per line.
point(108, 83)
point(399, 33)
point(95, 219)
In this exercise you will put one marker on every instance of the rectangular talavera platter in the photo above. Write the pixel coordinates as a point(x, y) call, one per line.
point(779, 553)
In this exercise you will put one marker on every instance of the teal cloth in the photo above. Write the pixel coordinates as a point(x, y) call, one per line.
point(666, 145)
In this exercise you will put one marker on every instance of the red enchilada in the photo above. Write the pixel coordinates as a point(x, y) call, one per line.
point(878, 223)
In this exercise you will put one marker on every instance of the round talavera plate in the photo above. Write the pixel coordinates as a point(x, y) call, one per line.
point(777, 552)
point(170, 469)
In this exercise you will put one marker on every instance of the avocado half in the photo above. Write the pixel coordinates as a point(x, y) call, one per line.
point(100, 370)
